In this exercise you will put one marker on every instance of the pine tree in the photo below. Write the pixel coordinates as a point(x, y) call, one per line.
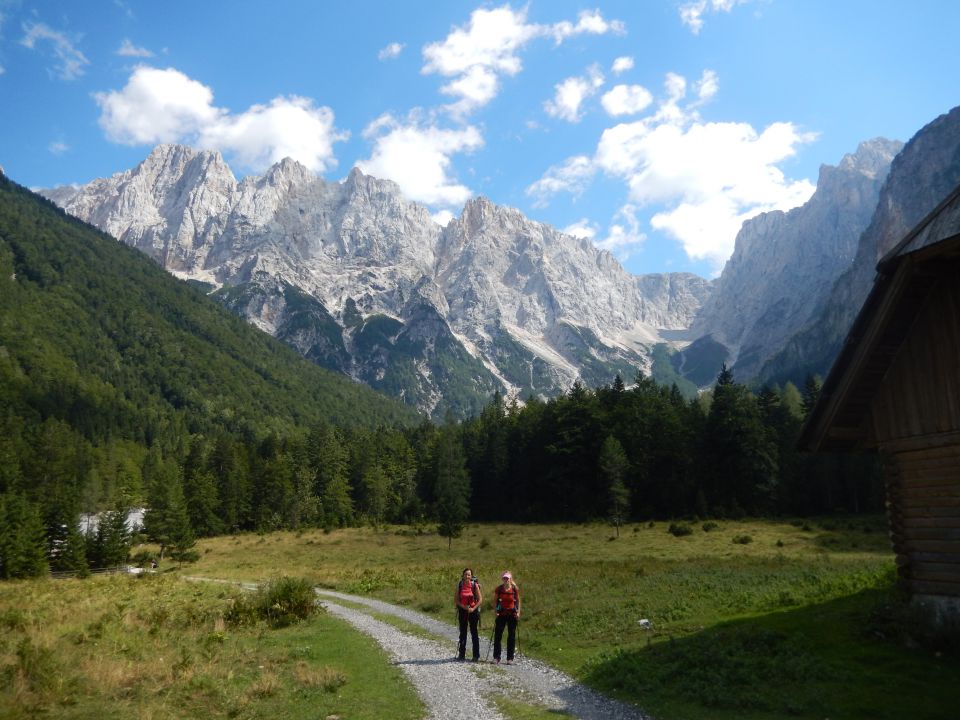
point(452, 485)
point(167, 522)
point(613, 466)
point(23, 543)
point(114, 537)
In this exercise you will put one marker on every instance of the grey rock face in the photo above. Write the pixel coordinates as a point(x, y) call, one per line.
point(363, 281)
point(921, 175)
point(785, 264)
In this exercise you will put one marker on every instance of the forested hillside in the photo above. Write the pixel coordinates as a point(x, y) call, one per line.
point(121, 386)
point(110, 368)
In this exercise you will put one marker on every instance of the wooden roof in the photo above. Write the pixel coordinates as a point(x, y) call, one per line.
point(905, 276)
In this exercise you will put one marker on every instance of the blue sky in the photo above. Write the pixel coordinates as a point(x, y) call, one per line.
point(654, 127)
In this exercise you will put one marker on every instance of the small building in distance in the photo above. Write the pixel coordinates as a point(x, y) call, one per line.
point(895, 388)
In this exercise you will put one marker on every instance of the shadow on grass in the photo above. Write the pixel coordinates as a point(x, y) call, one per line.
point(854, 657)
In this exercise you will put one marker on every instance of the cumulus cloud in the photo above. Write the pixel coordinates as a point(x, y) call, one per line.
point(626, 100)
point(478, 53)
point(391, 51)
point(167, 106)
point(416, 155)
point(58, 147)
point(71, 62)
point(442, 218)
point(624, 236)
point(572, 176)
point(702, 178)
point(622, 64)
point(570, 94)
point(582, 228)
point(128, 49)
point(691, 13)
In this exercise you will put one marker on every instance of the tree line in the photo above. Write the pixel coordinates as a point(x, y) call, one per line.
point(615, 452)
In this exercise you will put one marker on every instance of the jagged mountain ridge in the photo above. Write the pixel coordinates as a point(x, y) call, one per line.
point(363, 281)
point(784, 264)
point(920, 176)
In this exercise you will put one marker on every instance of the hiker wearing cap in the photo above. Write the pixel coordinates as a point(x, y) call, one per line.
point(507, 600)
point(468, 598)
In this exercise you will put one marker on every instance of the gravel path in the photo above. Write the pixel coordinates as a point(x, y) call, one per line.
point(449, 688)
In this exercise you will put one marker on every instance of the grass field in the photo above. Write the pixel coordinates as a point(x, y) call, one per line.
point(155, 647)
point(754, 619)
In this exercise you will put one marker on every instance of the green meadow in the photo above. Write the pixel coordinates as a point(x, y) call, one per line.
point(156, 646)
point(752, 619)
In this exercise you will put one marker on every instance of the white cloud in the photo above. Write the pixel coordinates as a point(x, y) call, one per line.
point(622, 64)
point(711, 176)
point(624, 237)
point(477, 54)
point(128, 49)
point(691, 13)
point(572, 176)
point(391, 51)
point(703, 179)
point(626, 100)
point(589, 22)
point(57, 147)
point(442, 218)
point(71, 60)
point(570, 94)
point(707, 86)
point(416, 156)
point(582, 228)
point(167, 106)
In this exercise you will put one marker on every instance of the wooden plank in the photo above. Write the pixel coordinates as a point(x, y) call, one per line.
point(910, 523)
point(929, 510)
point(927, 533)
point(935, 557)
point(941, 505)
point(923, 573)
point(935, 546)
point(922, 587)
point(931, 493)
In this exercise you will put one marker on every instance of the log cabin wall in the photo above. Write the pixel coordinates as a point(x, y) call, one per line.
point(916, 422)
point(920, 394)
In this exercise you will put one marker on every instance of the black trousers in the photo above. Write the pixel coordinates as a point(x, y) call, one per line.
point(474, 620)
point(509, 622)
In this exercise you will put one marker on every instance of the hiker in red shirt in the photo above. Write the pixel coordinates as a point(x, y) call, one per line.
point(468, 598)
point(507, 600)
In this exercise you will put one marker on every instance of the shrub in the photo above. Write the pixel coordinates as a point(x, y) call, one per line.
point(680, 529)
point(743, 539)
point(280, 602)
point(710, 525)
point(484, 543)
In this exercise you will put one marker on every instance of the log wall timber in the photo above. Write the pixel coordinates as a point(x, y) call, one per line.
point(923, 505)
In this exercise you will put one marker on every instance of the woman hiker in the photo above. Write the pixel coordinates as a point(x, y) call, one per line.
point(468, 599)
point(507, 600)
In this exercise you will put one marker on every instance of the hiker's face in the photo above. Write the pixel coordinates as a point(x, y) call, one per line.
point(467, 574)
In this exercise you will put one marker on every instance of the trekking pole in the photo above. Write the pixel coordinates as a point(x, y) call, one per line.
point(490, 643)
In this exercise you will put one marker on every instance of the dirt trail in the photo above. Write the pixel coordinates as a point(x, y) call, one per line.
point(450, 687)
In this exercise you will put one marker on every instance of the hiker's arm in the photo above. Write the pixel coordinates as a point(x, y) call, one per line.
point(479, 598)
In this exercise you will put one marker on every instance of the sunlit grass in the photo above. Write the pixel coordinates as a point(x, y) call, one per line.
point(158, 647)
point(584, 592)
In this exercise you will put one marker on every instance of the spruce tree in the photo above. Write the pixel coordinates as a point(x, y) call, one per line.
point(613, 465)
point(23, 543)
point(452, 485)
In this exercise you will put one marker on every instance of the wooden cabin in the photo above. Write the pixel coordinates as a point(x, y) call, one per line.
point(895, 388)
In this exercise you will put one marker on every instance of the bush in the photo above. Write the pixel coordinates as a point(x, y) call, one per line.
point(280, 602)
point(743, 539)
point(710, 525)
point(679, 529)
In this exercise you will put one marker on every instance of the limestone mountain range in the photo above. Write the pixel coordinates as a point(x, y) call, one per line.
point(363, 281)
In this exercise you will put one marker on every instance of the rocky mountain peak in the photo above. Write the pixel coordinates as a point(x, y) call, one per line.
point(361, 279)
point(872, 157)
